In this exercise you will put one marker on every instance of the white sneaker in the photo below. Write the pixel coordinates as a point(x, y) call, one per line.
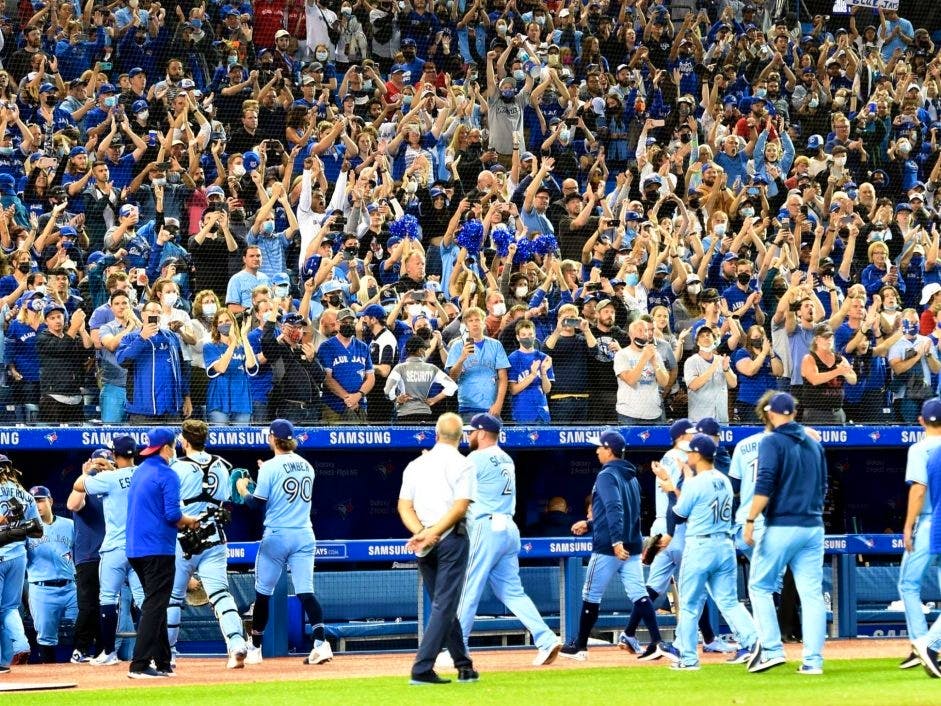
point(544, 657)
point(253, 655)
point(237, 659)
point(321, 653)
point(444, 660)
point(106, 660)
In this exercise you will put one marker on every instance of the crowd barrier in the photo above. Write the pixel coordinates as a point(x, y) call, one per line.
point(858, 593)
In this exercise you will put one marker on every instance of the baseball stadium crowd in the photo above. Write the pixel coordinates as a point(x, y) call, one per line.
point(345, 212)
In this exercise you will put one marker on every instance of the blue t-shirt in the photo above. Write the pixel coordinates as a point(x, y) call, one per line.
point(286, 482)
point(752, 387)
point(89, 529)
point(477, 386)
point(228, 392)
point(494, 483)
point(706, 502)
point(21, 349)
point(348, 365)
point(529, 406)
point(49, 557)
point(113, 486)
point(241, 284)
point(122, 171)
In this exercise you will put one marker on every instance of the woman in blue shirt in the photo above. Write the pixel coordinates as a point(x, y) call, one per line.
point(22, 359)
point(230, 362)
point(757, 367)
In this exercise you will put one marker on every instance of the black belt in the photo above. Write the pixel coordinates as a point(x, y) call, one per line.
point(57, 583)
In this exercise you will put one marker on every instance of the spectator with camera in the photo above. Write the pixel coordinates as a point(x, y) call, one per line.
point(571, 344)
point(298, 375)
point(913, 358)
point(112, 398)
point(62, 356)
point(211, 246)
point(479, 365)
point(22, 358)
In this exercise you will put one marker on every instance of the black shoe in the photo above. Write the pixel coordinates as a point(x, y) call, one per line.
point(913, 660)
point(429, 677)
point(467, 674)
point(650, 654)
point(149, 673)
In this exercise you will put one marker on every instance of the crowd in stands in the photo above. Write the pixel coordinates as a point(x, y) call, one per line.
point(344, 212)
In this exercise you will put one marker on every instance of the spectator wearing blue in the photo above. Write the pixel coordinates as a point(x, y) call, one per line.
point(9, 199)
point(350, 376)
point(238, 295)
point(61, 365)
point(22, 359)
point(758, 368)
point(479, 365)
point(154, 359)
point(97, 119)
point(113, 396)
point(47, 114)
point(121, 164)
point(913, 358)
point(75, 53)
point(880, 272)
point(411, 63)
point(273, 244)
point(743, 298)
point(230, 362)
point(531, 377)
point(153, 518)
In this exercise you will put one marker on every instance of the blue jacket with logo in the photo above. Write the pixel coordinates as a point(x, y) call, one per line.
point(156, 382)
point(792, 474)
point(615, 508)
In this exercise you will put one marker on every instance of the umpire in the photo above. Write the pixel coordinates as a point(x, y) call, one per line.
point(153, 516)
point(789, 490)
point(436, 493)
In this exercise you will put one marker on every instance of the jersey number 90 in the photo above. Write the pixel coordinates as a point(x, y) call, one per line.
point(294, 489)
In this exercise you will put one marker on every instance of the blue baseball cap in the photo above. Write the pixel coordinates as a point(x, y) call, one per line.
point(126, 210)
point(485, 422)
point(293, 319)
point(51, 309)
point(281, 429)
point(375, 311)
point(139, 106)
point(783, 403)
point(436, 192)
point(681, 427)
point(157, 438)
point(68, 232)
point(47, 88)
point(215, 190)
point(106, 454)
point(251, 160)
point(708, 425)
point(106, 88)
point(610, 439)
point(931, 410)
point(632, 216)
point(40, 491)
point(124, 445)
point(136, 71)
point(281, 278)
point(904, 206)
point(703, 445)
point(76, 151)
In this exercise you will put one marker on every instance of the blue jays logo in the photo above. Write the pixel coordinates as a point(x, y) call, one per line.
point(302, 438)
point(870, 543)
point(875, 436)
point(420, 436)
point(345, 509)
point(528, 547)
point(385, 470)
point(644, 435)
point(51, 437)
point(533, 437)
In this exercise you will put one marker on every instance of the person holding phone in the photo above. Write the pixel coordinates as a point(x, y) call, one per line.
point(61, 359)
point(230, 362)
point(571, 345)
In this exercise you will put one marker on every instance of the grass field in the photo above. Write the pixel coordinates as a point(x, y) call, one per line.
point(859, 681)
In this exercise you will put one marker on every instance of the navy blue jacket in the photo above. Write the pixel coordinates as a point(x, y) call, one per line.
point(153, 509)
point(792, 473)
point(615, 509)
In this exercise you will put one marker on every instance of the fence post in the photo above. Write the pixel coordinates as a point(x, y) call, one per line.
point(845, 589)
point(275, 640)
point(570, 596)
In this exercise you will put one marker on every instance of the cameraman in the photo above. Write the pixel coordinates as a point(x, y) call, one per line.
point(158, 389)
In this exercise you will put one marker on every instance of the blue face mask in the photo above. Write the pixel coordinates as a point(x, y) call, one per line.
point(508, 94)
point(631, 279)
point(111, 101)
point(406, 100)
point(224, 329)
point(910, 328)
point(760, 92)
point(197, 24)
point(630, 233)
point(267, 227)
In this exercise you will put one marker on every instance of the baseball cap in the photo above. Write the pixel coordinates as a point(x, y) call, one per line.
point(280, 278)
point(781, 403)
point(106, 454)
point(729, 256)
point(929, 291)
point(40, 491)
point(68, 232)
point(139, 106)
point(293, 319)
point(215, 191)
point(136, 71)
point(281, 33)
point(814, 142)
point(157, 438)
point(823, 330)
point(708, 425)
point(47, 88)
point(931, 410)
point(904, 206)
point(603, 303)
point(632, 216)
point(436, 192)
point(51, 309)
point(281, 429)
point(485, 422)
point(76, 151)
point(345, 313)
point(374, 310)
point(703, 445)
point(680, 427)
point(609, 439)
point(106, 88)
point(124, 445)
point(126, 210)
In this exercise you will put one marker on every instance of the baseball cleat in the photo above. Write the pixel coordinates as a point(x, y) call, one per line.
point(237, 659)
point(651, 653)
point(79, 657)
point(629, 643)
point(759, 663)
point(167, 672)
point(149, 673)
point(741, 656)
point(467, 675)
point(718, 646)
point(429, 677)
point(173, 656)
point(669, 651)
point(680, 667)
point(572, 651)
point(444, 661)
point(105, 660)
point(929, 657)
point(544, 657)
point(253, 655)
point(20, 658)
point(913, 660)
point(321, 653)
point(808, 669)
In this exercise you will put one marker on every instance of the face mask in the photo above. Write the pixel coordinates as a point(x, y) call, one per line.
point(564, 135)
point(238, 171)
point(159, 182)
point(23, 267)
point(519, 75)
point(541, 21)
point(111, 101)
point(760, 93)
point(367, 85)
point(814, 102)
point(267, 227)
point(747, 212)
point(694, 288)
point(406, 101)
point(197, 24)
point(209, 310)
point(720, 229)
point(501, 30)
point(839, 161)
point(413, 310)
point(143, 115)
point(890, 307)
point(631, 279)
point(707, 349)
point(743, 278)
point(6, 151)
point(347, 330)
point(41, 288)
point(232, 60)
point(170, 298)
point(910, 328)
point(372, 292)
point(527, 342)
point(508, 94)
point(281, 291)
point(640, 342)
point(346, 11)
point(224, 329)
point(473, 288)
point(294, 335)
point(520, 292)
point(499, 309)
point(322, 56)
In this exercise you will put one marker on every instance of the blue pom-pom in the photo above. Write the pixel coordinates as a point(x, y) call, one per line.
point(405, 227)
point(501, 237)
point(545, 244)
point(524, 251)
point(471, 236)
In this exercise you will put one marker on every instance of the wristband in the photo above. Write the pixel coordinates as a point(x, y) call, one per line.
point(749, 522)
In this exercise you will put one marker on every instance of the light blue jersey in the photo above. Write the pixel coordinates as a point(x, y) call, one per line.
point(50, 557)
point(745, 468)
point(917, 465)
point(706, 502)
point(190, 469)
point(13, 492)
point(672, 461)
point(113, 487)
point(286, 482)
point(494, 482)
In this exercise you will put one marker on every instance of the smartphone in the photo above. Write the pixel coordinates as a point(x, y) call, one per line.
point(786, 222)
point(162, 166)
point(592, 286)
point(153, 319)
point(105, 66)
point(572, 322)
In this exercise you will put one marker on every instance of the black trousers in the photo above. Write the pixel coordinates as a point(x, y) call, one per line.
point(54, 412)
point(443, 572)
point(156, 577)
point(87, 622)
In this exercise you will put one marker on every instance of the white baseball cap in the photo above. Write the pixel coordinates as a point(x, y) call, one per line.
point(929, 291)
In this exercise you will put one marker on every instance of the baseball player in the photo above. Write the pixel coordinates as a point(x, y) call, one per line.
point(495, 540)
point(19, 519)
point(114, 569)
point(204, 486)
point(926, 646)
point(284, 491)
point(744, 472)
point(789, 490)
point(917, 556)
point(50, 574)
point(616, 539)
point(708, 565)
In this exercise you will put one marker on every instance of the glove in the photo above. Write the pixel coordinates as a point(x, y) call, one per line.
point(195, 593)
point(651, 549)
point(234, 475)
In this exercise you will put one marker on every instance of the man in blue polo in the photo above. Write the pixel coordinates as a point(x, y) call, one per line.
point(350, 376)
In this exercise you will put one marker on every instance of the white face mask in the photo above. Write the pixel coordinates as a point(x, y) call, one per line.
point(521, 292)
point(499, 309)
point(720, 229)
point(209, 310)
point(170, 298)
point(238, 171)
point(41, 288)
point(143, 115)
point(322, 56)
point(281, 291)
point(694, 288)
point(413, 310)
point(840, 161)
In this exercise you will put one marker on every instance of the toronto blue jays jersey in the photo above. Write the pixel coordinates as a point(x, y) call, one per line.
point(745, 468)
point(50, 557)
point(916, 468)
point(10, 494)
point(494, 482)
point(706, 502)
point(348, 365)
point(672, 460)
point(287, 483)
point(113, 486)
point(190, 470)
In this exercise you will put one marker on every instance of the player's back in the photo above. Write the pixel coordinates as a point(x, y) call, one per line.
point(190, 470)
point(287, 483)
point(495, 482)
point(745, 468)
point(917, 464)
point(12, 494)
point(50, 556)
point(113, 486)
point(708, 500)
